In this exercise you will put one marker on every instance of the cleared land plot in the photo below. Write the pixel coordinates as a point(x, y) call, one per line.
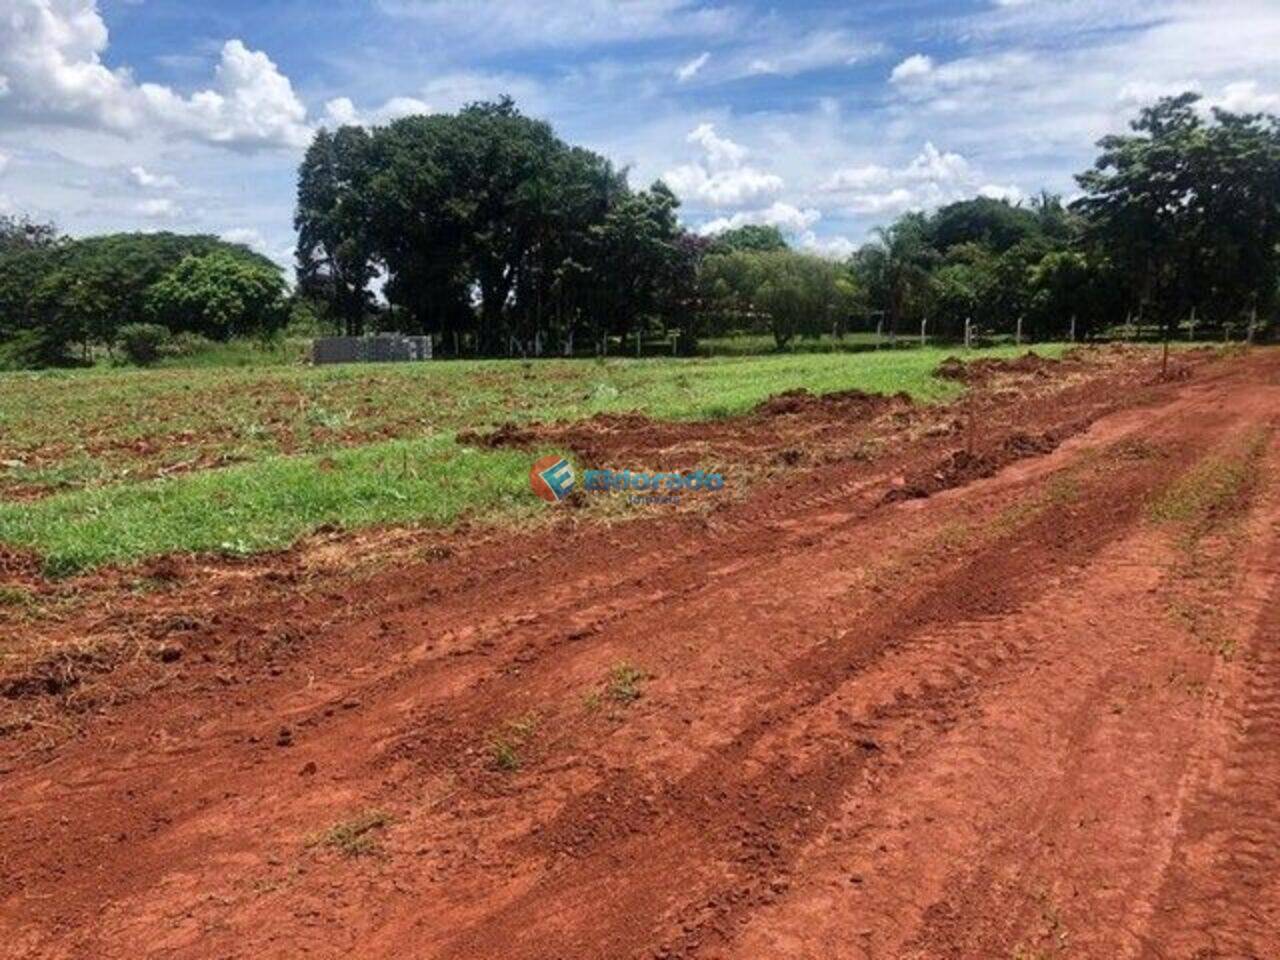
point(106, 467)
point(1010, 693)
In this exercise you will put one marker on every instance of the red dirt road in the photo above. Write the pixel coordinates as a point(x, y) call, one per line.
point(1034, 714)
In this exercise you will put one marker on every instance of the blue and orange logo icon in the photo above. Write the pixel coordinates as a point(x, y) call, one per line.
point(552, 478)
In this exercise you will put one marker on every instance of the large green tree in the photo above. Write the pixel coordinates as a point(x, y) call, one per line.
point(1187, 209)
point(336, 261)
point(492, 229)
point(219, 296)
point(788, 293)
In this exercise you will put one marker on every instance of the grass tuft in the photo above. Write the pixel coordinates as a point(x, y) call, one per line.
point(624, 683)
point(506, 745)
point(357, 837)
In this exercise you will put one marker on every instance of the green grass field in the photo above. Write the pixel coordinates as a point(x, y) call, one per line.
point(112, 466)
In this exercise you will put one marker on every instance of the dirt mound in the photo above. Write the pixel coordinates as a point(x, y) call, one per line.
point(18, 567)
point(964, 466)
point(506, 435)
point(773, 431)
point(984, 370)
point(849, 403)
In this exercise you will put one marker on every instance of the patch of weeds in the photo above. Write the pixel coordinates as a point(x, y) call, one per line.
point(1206, 506)
point(868, 450)
point(1216, 487)
point(1062, 489)
point(506, 745)
point(357, 837)
point(953, 536)
point(16, 597)
point(1134, 449)
point(146, 585)
point(506, 755)
point(1202, 619)
point(328, 419)
point(1058, 491)
point(624, 683)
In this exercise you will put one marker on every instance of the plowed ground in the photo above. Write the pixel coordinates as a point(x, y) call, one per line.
point(1007, 688)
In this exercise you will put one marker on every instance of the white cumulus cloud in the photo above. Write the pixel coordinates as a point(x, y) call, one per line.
point(995, 191)
point(916, 65)
point(722, 178)
point(932, 178)
point(1246, 96)
point(838, 247)
point(784, 216)
point(51, 61)
point(342, 112)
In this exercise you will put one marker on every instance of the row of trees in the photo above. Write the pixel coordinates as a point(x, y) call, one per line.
point(61, 297)
point(1179, 220)
point(487, 229)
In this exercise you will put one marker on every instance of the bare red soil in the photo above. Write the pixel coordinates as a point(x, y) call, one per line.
point(994, 681)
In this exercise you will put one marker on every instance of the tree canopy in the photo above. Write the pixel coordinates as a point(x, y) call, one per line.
point(486, 226)
point(1187, 210)
point(487, 230)
point(60, 294)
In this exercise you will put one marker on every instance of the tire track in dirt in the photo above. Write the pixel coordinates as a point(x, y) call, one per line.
point(715, 799)
point(1221, 892)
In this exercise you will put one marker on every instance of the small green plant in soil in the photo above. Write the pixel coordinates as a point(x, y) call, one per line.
point(624, 683)
point(506, 745)
point(356, 837)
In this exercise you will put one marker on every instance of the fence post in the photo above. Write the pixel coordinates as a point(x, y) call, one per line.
point(1017, 337)
point(879, 332)
point(924, 337)
point(968, 333)
point(1193, 324)
point(1253, 323)
point(1073, 328)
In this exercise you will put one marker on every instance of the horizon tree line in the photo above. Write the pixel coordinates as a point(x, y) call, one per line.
point(486, 230)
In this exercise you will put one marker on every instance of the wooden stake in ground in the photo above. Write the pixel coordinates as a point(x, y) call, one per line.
point(924, 325)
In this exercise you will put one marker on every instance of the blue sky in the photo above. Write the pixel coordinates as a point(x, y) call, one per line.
point(824, 118)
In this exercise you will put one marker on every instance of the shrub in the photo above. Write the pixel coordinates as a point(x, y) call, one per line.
point(35, 350)
point(142, 343)
point(186, 344)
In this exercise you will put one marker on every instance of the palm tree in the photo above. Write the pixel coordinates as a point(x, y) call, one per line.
point(895, 265)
